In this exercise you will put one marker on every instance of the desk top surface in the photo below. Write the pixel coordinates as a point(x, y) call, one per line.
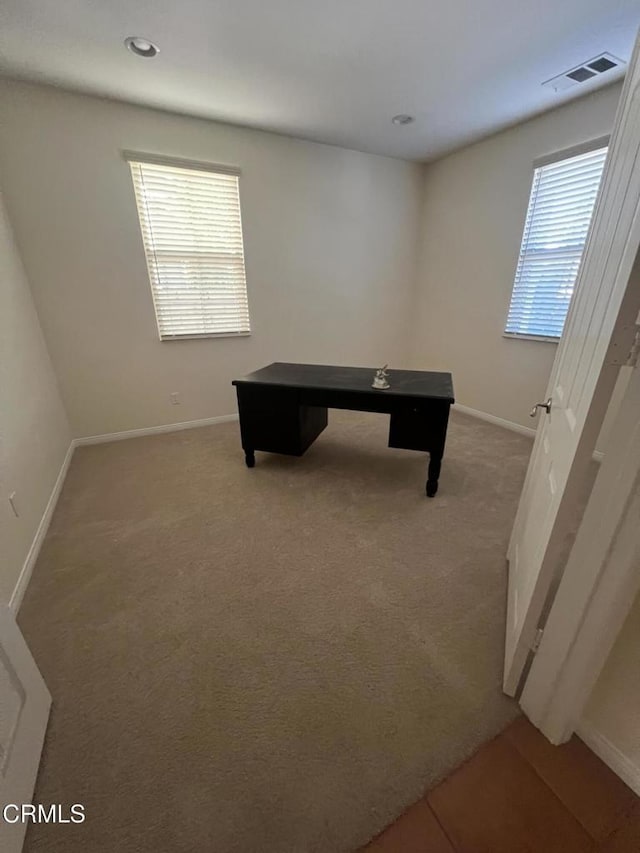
point(406, 383)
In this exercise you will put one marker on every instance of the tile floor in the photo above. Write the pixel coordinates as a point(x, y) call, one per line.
point(520, 793)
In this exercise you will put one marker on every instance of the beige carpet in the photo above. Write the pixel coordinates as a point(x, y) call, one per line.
point(279, 659)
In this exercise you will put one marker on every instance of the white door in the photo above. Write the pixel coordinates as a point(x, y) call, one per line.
point(598, 335)
point(24, 711)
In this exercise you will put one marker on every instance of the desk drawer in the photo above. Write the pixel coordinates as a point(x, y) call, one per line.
point(415, 430)
point(273, 420)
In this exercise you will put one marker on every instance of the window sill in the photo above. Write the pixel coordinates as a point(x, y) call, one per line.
point(171, 338)
point(545, 339)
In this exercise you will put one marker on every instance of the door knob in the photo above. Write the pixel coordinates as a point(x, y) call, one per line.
point(546, 406)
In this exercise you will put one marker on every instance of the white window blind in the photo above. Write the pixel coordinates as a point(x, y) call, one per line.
point(192, 234)
point(561, 204)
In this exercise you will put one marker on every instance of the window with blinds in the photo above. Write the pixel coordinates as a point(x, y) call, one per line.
point(561, 204)
point(192, 234)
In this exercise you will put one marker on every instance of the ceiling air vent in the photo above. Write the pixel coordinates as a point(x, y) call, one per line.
point(603, 64)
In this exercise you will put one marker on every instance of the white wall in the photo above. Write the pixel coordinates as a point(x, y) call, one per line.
point(475, 203)
point(34, 433)
point(330, 244)
point(613, 710)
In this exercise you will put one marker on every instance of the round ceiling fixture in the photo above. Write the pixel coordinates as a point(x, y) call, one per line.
point(402, 118)
point(141, 46)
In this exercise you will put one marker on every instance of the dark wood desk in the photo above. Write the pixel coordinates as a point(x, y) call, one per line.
point(283, 408)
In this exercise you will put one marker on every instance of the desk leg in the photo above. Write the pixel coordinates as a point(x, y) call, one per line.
point(250, 458)
point(435, 461)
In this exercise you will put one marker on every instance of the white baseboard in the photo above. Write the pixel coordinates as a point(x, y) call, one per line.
point(27, 568)
point(41, 532)
point(494, 419)
point(598, 455)
point(154, 430)
point(621, 765)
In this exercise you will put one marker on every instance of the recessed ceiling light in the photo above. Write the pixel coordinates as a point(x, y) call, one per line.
point(141, 46)
point(402, 118)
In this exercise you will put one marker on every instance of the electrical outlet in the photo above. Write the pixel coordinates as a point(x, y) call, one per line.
point(175, 398)
point(14, 506)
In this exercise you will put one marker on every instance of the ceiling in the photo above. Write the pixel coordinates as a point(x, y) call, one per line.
point(329, 70)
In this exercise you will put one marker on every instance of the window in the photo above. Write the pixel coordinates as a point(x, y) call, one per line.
point(562, 198)
point(192, 234)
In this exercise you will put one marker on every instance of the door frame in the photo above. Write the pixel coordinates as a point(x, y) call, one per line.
point(18, 776)
point(599, 584)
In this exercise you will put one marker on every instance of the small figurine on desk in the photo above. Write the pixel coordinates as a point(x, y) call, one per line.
point(380, 382)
